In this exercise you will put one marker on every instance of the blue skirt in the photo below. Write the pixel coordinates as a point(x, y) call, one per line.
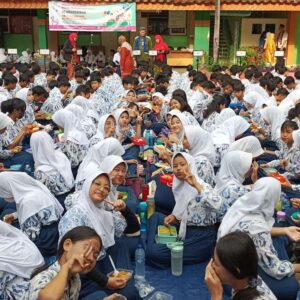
point(199, 244)
point(131, 153)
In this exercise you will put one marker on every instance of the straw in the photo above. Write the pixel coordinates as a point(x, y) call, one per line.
point(116, 272)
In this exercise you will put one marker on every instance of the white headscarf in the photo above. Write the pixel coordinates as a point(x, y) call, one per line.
point(234, 166)
point(76, 110)
point(46, 158)
point(18, 254)
point(5, 121)
point(201, 143)
point(183, 194)
point(296, 138)
point(117, 114)
point(255, 99)
point(275, 117)
point(82, 102)
point(227, 132)
point(72, 128)
point(184, 121)
point(249, 144)
point(30, 195)
point(22, 94)
point(224, 115)
point(289, 102)
point(96, 155)
point(257, 205)
point(107, 165)
point(102, 220)
point(101, 126)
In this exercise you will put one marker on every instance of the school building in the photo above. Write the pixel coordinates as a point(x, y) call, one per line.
point(184, 25)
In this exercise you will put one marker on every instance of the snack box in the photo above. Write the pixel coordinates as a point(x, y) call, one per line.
point(123, 273)
point(166, 179)
point(277, 176)
point(138, 141)
point(166, 234)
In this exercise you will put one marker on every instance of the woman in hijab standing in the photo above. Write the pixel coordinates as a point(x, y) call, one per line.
point(70, 54)
point(126, 57)
point(162, 49)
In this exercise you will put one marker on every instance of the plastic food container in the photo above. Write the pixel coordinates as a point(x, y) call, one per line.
point(166, 179)
point(161, 296)
point(295, 215)
point(270, 170)
point(123, 273)
point(166, 234)
point(278, 177)
point(138, 141)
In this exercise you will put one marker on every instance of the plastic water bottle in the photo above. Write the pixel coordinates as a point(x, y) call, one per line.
point(140, 262)
point(147, 137)
point(151, 139)
point(143, 216)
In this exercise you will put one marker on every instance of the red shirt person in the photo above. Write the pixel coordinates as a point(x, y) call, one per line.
point(126, 57)
point(161, 47)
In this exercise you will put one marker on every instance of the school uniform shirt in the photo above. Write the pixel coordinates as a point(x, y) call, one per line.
point(85, 213)
point(253, 214)
point(52, 167)
point(225, 134)
point(76, 141)
point(5, 94)
point(41, 80)
point(19, 257)
point(101, 101)
point(5, 121)
point(39, 282)
point(54, 101)
point(193, 208)
point(209, 124)
point(292, 155)
point(36, 206)
point(229, 180)
point(199, 107)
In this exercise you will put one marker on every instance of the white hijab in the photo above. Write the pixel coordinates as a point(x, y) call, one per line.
point(117, 114)
point(18, 254)
point(183, 194)
point(255, 99)
point(46, 158)
point(201, 143)
point(72, 128)
point(224, 115)
point(96, 155)
point(257, 205)
point(86, 105)
point(22, 94)
point(107, 165)
point(227, 132)
point(296, 138)
point(3, 57)
point(101, 126)
point(102, 220)
point(78, 111)
point(5, 121)
point(249, 144)
point(30, 195)
point(234, 166)
point(289, 102)
point(275, 117)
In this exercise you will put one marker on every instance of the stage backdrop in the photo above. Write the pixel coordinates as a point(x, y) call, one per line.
point(66, 16)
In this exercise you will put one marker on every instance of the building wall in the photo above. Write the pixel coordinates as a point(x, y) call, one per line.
point(251, 40)
point(19, 41)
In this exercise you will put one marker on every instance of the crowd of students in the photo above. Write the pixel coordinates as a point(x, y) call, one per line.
point(67, 152)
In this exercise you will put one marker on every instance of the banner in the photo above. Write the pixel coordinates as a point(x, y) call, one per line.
point(66, 16)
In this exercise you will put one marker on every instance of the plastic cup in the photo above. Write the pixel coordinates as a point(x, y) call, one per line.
point(176, 260)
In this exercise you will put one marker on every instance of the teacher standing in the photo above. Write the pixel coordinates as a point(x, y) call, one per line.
point(70, 54)
point(144, 44)
point(126, 57)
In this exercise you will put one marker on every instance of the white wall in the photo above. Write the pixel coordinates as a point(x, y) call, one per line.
point(251, 40)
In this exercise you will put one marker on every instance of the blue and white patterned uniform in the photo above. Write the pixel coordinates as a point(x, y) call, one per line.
point(54, 101)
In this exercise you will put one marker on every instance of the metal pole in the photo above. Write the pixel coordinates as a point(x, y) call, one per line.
point(216, 40)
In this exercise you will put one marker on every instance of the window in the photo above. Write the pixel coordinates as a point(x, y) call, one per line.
point(4, 24)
